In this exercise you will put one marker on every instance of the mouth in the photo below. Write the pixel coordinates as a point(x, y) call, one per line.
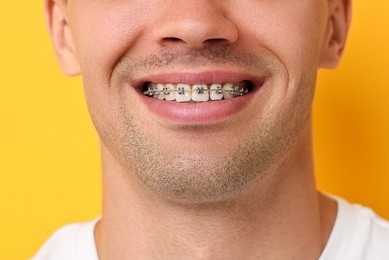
point(193, 98)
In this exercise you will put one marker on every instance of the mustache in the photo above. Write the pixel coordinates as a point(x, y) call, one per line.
point(215, 55)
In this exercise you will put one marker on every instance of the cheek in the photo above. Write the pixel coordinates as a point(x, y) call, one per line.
point(290, 29)
point(103, 32)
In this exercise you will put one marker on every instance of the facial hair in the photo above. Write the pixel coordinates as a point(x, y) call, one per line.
point(208, 173)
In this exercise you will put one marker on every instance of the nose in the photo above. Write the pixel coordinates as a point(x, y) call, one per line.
point(194, 24)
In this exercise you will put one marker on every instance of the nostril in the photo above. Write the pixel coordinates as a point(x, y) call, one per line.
point(172, 39)
point(215, 41)
point(207, 42)
point(196, 30)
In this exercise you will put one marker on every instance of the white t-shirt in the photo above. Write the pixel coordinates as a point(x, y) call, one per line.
point(358, 234)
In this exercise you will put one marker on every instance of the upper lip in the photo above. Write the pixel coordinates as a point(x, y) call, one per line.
point(207, 77)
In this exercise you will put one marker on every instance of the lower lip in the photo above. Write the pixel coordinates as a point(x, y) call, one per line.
point(197, 113)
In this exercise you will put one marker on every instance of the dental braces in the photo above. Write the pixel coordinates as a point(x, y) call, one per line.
point(234, 91)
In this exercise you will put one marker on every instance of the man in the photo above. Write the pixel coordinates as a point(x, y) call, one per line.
point(203, 109)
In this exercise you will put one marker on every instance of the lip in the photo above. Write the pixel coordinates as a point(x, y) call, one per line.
point(198, 113)
point(199, 78)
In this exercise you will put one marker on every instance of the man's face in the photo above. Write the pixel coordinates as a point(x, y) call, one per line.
point(198, 151)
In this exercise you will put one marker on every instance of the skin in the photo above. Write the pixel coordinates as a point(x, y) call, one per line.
point(238, 188)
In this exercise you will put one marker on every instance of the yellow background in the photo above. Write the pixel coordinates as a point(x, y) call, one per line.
point(49, 157)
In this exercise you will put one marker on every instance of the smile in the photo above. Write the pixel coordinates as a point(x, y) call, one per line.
point(209, 97)
point(196, 92)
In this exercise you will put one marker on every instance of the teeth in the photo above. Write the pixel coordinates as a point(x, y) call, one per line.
point(196, 93)
point(169, 92)
point(216, 92)
point(159, 94)
point(200, 93)
point(228, 91)
point(183, 93)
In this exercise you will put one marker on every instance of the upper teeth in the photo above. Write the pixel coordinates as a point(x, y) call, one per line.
point(196, 92)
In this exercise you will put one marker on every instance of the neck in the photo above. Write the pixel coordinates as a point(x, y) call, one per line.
point(281, 216)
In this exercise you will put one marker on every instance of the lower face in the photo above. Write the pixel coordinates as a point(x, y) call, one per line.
point(198, 125)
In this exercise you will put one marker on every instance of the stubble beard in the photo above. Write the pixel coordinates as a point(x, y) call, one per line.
point(185, 175)
point(189, 175)
point(182, 174)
